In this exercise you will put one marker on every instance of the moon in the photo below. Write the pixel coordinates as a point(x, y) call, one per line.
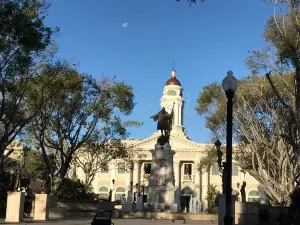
point(125, 25)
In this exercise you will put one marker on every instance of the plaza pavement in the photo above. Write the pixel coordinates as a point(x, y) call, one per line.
point(86, 220)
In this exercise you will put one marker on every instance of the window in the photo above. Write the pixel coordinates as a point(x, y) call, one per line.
point(187, 172)
point(215, 169)
point(120, 194)
point(104, 169)
point(121, 168)
point(147, 168)
point(235, 169)
point(253, 196)
point(103, 192)
point(171, 92)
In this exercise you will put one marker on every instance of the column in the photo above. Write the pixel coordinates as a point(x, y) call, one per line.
point(177, 173)
point(177, 166)
point(204, 188)
point(128, 180)
point(197, 183)
point(136, 174)
point(197, 175)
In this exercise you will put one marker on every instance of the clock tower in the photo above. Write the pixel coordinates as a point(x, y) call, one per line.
point(172, 93)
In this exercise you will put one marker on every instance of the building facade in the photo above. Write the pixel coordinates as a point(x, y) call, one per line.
point(189, 181)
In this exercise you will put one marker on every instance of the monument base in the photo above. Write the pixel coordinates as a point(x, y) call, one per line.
point(161, 194)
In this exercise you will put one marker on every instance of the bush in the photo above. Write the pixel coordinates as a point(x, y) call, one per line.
point(75, 190)
point(211, 199)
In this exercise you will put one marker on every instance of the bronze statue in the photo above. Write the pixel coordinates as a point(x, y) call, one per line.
point(243, 192)
point(164, 123)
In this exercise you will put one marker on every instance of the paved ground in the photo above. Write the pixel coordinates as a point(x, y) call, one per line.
point(86, 220)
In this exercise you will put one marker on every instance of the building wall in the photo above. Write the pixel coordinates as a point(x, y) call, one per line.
point(198, 182)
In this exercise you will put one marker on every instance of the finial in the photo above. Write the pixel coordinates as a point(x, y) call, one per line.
point(173, 71)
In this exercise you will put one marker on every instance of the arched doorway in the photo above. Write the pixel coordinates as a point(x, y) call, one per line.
point(186, 194)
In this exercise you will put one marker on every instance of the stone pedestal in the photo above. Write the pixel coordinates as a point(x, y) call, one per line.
point(15, 207)
point(222, 208)
point(41, 209)
point(161, 182)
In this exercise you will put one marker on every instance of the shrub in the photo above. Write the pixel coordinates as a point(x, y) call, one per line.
point(211, 199)
point(75, 190)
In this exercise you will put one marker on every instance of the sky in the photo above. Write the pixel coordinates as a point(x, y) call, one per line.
point(137, 40)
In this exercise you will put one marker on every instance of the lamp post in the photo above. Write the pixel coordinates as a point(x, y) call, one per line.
point(229, 85)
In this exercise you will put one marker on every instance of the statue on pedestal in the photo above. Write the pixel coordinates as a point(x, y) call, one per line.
point(164, 123)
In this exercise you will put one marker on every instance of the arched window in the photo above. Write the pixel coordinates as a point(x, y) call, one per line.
point(103, 192)
point(120, 194)
point(236, 194)
point(254, 196)
point(187, 191)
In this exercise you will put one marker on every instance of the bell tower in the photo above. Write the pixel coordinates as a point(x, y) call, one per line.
point(172, 93)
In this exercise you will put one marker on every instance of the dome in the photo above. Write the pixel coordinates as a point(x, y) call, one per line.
point(173, 80)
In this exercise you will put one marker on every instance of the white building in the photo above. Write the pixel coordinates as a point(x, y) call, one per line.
point(188, 179)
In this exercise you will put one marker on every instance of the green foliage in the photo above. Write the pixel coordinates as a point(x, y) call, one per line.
point(75, 190)
point(25, 44)
point(77, 111)
point(208, 159)
point(34, 166)
point(211, 199)
point(261, 125)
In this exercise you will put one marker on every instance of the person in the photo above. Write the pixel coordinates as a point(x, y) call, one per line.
point(28, 200)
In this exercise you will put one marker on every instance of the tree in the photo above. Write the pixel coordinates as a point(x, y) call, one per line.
point(107, 146)
point(25, 44)
point(260, 123)
point(69, 119)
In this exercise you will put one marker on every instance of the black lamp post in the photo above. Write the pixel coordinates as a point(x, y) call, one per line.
point(229, 85)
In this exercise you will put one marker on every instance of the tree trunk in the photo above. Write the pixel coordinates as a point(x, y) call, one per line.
point(297, 88)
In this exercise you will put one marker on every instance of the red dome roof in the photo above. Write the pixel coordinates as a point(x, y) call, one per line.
point(173, 80)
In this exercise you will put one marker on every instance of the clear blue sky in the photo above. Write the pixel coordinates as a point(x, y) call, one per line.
point(205, 40)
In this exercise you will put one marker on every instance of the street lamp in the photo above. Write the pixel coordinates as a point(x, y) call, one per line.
point(229, 85)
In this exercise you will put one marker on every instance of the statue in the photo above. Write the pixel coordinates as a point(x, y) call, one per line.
point(243, 192)
point(164, 123)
